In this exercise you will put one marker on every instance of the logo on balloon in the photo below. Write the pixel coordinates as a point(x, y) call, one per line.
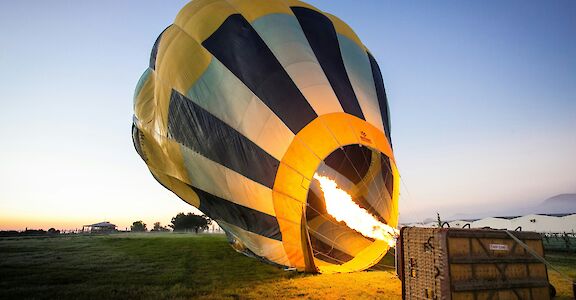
point(364, 138)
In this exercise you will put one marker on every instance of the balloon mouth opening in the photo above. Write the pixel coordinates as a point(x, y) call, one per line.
point(348, 207)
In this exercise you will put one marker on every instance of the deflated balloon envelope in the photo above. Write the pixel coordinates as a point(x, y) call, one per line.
point(244, 102)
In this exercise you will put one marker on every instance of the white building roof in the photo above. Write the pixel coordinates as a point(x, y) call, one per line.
point(101, 224)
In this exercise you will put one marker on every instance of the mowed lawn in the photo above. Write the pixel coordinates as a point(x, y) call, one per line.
point(178, 266)
point(160, 266)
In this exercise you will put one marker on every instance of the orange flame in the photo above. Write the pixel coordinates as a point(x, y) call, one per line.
point(339, 204)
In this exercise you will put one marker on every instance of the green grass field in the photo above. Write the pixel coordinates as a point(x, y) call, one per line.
point(178, 266)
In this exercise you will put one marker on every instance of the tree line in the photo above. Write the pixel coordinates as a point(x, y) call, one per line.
point(180, 223)
point(30, 232)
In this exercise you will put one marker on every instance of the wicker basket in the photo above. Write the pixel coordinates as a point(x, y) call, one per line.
point(443, 263)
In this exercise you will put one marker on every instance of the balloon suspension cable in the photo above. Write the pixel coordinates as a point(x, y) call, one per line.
point(363, 182)
point(331, 219)
point(382, 186)
point(538, 257)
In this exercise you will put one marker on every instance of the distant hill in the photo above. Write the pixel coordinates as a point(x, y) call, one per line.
point(559, 204)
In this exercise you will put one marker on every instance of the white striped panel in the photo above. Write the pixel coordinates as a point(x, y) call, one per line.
point(225, 183)
point(270, 249)
point(222, 94)
point(360, 73)
point(283, 35)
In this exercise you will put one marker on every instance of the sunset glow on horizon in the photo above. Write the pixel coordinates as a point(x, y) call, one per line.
point(482, 104)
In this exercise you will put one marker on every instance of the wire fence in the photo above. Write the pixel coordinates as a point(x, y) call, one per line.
point(562, 242)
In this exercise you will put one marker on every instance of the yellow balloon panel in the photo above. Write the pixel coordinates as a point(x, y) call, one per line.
point(258, 114)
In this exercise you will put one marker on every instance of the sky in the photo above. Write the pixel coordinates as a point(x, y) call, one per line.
point(482, 97)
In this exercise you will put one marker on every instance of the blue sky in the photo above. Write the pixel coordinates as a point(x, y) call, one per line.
point(482, 98)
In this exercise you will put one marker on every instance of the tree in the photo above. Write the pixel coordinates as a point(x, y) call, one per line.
point(159, 228)
point(53, 231)
point(138, 226)
point(190, 221)
point(156, 226)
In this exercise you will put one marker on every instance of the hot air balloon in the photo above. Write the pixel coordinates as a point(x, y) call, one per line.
point(270, 116)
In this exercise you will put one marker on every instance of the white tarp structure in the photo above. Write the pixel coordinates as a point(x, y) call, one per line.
point(551, 223)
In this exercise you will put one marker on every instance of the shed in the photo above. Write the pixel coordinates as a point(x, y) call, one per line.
point(102, 227)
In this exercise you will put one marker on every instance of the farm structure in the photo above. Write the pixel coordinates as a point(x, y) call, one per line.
point(102, 227)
